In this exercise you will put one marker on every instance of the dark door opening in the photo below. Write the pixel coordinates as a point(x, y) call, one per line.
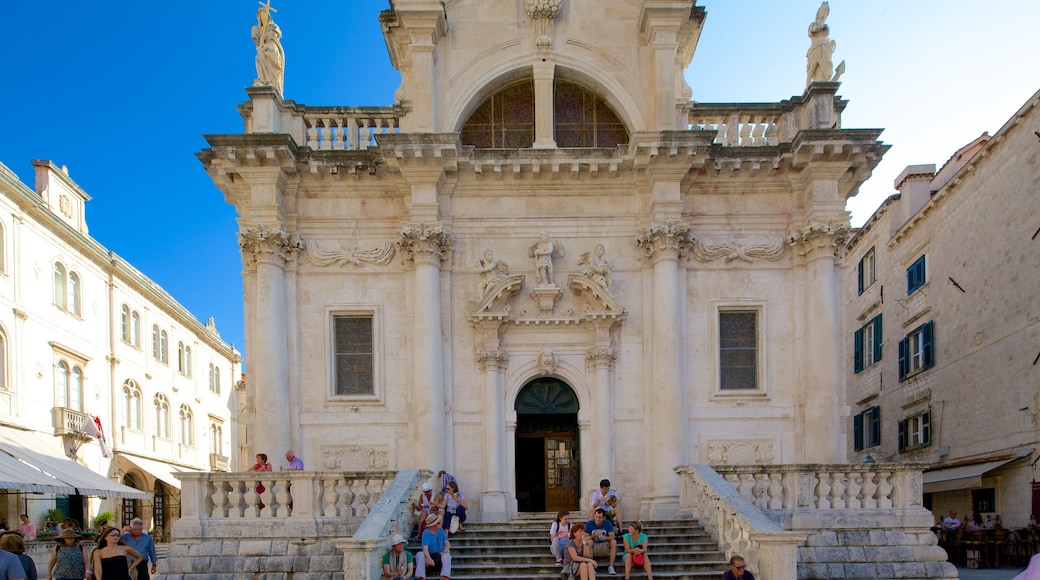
point(547, 459)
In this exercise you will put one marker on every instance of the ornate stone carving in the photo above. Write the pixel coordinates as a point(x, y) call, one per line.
point(263, 244)
point(356, 256)
point(547, 361)
point(493, 360)
point(65, 204)
point(270, 58)
point(543, 251)
point(601, 356)
point(425, 243)
point(743, 251)
point(819, 64)
point(355, 458)
point(491, 270)
point(599, 302)
point(740, 452)
point(495, 305)
point(545, 297)
point(543, 13)
point(819, 238)
point(670, 239)
point(597, 268)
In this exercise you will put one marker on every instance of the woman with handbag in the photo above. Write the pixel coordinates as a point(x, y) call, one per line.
point(635, 550)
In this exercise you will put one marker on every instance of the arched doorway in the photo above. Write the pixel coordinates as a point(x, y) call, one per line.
point(547, 460)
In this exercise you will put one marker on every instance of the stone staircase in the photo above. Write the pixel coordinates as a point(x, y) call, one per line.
point(519, 550)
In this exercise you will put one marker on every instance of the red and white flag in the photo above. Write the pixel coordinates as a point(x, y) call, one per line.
point(93, 428)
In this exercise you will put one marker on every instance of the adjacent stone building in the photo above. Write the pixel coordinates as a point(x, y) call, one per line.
point(942, 326)
point(544, 264)
point(84, 334)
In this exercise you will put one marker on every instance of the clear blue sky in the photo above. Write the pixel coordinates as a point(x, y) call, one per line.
point(122, 91)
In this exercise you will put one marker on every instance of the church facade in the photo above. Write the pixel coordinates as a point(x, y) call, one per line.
point(544, 264)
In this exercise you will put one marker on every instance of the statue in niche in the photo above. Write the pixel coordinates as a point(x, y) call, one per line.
point(492, 271)
point(542, 251)
point(820, 67)
point(270, 58)
point(596, 268)
point(547, 361)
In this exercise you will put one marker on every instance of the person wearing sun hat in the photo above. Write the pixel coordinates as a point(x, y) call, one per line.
point(426, 504)
point(398, 563)
point(435, 549)
point(69, 561)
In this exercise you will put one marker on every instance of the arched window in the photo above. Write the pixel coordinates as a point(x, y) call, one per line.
point(3, 363)
point(124, 323)
point(164, 348)
point(60, 286)
point(187, 426)
point(216, 438)
point(3, 249)
point(131, 404)
point(180, 357)
point(212, 380)
point(74, 294)
point(135, 329)
point(581, 118)
point(187, 361)
point(76, 390)
point(61, 377)
point(162, 416)
point(155, 342)
point(216, 379)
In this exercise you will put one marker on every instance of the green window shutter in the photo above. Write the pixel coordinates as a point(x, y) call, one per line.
point(927, 345)
point(903, 436)
point(926, 428)
point(857, 432)
point(875, 422)
point(877, 338)
point(902, 359)
point(858, 351)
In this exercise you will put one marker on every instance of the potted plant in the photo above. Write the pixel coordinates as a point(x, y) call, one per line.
point(103, 519)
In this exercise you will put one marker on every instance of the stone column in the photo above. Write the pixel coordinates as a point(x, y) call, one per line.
point(268, 249)
point(493, 500)
point(664, 244)
point(426, 246)
point(544, 70)
point(600, 361)
point(818, 243)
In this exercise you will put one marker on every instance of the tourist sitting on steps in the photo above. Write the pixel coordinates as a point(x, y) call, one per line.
point(635, 543)
point(577, 555)
point(425, 505)
point(398, 563)
point(604, 543)
point(737, 570)
point(608, 500)
point(435, 550)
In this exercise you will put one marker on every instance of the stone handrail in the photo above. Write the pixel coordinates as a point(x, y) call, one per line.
point(738, 526)
point(827, 487)
point(738, 125)
point(346, 128)
point(390, 515)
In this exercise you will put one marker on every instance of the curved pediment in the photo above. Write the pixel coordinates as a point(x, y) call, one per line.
point(495, 304)
point(599, 303)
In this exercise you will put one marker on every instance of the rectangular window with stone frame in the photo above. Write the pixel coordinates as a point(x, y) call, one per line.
point(354, 355)
point(867, 345)
point(738, 350)
point(915, 431)
point(866, 429)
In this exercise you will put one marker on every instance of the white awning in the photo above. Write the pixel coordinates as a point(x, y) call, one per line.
point(164, 472)
point(18, 476)
point(962, 476)
point(31, 449)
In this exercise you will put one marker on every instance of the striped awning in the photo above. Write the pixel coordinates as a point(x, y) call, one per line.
point(40, 464)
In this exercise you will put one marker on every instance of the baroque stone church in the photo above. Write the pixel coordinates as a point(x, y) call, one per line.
point(544, 264)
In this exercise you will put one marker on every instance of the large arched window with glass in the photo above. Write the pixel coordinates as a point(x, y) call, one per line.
point(187, 361)
point(155, 342)
point(162, 416)
point(180, 357)
point(69, 385)
point(124, 323)
point(3, 249)
point(60, 286)
point(131, 404)
point(506, 119)
point(164, 347)
point(187, 426)
point(74, 294)
point(135, 329)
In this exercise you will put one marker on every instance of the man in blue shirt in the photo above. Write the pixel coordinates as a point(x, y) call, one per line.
point(737, 570)
point(435, 549)
point(601, 530)
point(139, 540)
point(292, 462)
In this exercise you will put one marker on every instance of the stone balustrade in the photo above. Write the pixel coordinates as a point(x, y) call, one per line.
point(828, 487)
point(738, 125)
point(739, 527)
point(346, 128)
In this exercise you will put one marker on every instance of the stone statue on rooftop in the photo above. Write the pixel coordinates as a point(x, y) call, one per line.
point(270, 58)
point(820, 66)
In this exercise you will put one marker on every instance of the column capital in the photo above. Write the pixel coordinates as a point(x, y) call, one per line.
point(271, 245)
point(665, 240)
point(601, 358)
point(425, 243)
point(493, 360)
point(819, 239)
